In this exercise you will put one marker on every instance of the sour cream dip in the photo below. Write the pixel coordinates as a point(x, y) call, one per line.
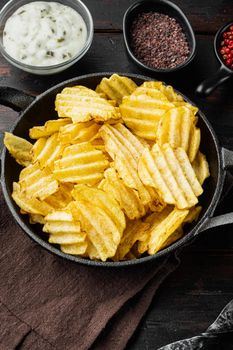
point(44, 33)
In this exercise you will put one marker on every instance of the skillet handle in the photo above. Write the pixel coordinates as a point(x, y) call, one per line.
point(208, 85)
point(227, 156)
point(221, 220)
point(225, 219)
point(15, 99)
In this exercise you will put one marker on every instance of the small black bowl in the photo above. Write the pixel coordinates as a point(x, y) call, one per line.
point(165, 7)
point(223, 73)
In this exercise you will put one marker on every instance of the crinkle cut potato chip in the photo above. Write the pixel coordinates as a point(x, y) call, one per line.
point(82, 104)
point(117, 175)
point(62, 197)
point(177, 127)
point(74, 249)
point(80, 163)
point(160, 232)
point(29, 204)
point(201, 167)
point(171, 173)
point(127, 197)
point(46, 150)
point(135, 231)
point(142, 111)
point(101, 217)
point(162, 227)
point(116, 87)
point(19, 148)
point(125, 149)
point(167, 90)
point(49, 128)
point(37, 183)
point(78, 132)
point(63, 229)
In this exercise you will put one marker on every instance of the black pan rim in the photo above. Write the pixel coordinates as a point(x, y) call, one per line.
point(147, 259)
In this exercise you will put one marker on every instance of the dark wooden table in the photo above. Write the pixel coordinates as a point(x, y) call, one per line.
point(196, 292)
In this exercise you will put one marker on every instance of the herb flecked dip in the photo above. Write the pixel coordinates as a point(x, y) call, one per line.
point(44, 33)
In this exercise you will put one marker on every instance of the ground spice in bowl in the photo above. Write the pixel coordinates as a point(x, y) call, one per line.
point(158, 41)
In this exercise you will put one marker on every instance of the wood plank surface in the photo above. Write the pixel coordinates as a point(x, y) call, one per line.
point(206, 16)
point(191, 298)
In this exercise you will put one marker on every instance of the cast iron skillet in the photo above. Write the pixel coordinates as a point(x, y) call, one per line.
point(35, 111)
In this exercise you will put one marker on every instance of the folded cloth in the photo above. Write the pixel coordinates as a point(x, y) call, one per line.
point(218, 336)
point(47, 302)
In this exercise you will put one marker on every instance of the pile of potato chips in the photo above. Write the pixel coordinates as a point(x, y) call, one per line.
point(118, 174)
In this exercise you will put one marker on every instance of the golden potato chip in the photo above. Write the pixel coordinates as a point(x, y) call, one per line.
point(119, 136)
point(193, 215)
point(19, 148)
point(37, 183)
point(167, 90)
point(116, 87)
point(135, 231)
point(154, 93)
point(127, 197)
point(179, 233)
point(170, 94)
point(193, 108)
point(162, 226)
point(167, 231)
point(82, 104)
point(37, 148)
point(153, 85)
point(100, 93)
point(98, 143)
point(101, 218)
point(194, 143)
point(62, 197)
point(74, 249)
point(201, 167)
point(177, 127)
point(46, 150)
point(171, 173)
point(29, 204)
point(125, 149)
point(80, 163)
point(175, 236)
point(91, 251)
point(142, 111)
point(49, 128)
point(63, 229)
point(103, 200)
point(113, 103)
point(66, 238)
point(99, 230)
point(78, 132)
point(151, 220)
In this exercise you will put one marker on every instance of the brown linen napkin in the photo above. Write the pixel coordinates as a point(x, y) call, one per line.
point(50, 303)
